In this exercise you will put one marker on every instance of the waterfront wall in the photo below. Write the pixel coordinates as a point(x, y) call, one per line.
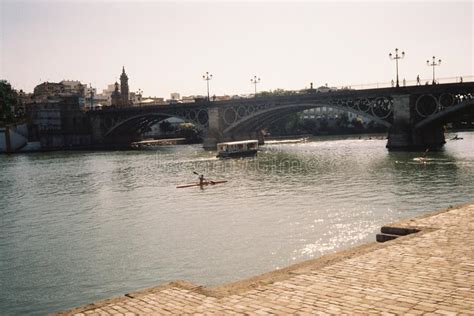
point(60, 141)
point(13, 138)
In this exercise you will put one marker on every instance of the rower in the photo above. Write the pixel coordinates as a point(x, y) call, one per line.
point(201, 180)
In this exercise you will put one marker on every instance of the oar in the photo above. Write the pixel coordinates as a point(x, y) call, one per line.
point(426, 152)
point(210, 181)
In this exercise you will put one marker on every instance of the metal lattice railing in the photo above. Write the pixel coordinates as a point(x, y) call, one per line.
point(406, 83)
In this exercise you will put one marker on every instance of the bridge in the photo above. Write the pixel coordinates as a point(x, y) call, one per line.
point(414, 115)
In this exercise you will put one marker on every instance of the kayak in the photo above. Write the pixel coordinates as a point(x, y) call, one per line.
point(207, 182)
point(421, 159)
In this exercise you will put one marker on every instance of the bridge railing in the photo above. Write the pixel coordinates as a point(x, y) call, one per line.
point(406, 83)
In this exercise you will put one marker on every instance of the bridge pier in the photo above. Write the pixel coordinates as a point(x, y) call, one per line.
point(399, 135)
point(216, 135)
point(97, 134)
point(402, 135)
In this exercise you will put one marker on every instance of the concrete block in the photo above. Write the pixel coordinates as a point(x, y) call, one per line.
point(385, 237)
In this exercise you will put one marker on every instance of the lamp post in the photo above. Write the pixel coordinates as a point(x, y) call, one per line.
point(434, 64)
point(139, 93)
point(396, 57)
point(91, 96)
point(255, 81)
point(207, 77)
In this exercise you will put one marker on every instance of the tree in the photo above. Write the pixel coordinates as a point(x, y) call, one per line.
point(8, 101)
point(293, 123)
point(309, 126)
point(190, 132)
point(342, 120)
point(373, 127)
point(287, 125)
point(323, 123)
point(358, 124)
point(276, 92)
point(165, 127)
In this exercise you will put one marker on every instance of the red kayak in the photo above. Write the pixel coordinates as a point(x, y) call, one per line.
point(207, 182)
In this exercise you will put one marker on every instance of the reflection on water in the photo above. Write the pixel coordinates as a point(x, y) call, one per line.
point(80, 226)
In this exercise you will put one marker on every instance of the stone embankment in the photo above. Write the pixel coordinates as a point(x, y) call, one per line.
point(425, 267)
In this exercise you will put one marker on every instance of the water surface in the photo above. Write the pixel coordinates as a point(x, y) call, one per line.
point(76, 227)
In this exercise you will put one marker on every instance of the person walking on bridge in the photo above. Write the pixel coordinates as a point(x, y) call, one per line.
point(418, 83)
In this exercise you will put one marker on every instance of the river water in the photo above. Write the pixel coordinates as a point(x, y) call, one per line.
point(76, 227)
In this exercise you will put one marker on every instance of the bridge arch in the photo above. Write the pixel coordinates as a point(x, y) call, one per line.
point(442, 115)
point(265, 116)
point(138, 123)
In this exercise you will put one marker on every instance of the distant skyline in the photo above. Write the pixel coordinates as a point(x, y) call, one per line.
point(167, 46)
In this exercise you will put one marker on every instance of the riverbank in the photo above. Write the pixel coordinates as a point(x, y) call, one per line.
point(430, 271)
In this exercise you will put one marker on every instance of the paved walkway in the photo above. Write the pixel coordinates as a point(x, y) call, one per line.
point(430, 272)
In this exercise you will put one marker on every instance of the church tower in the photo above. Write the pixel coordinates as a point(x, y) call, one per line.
point(124, 93)
point(115, 97)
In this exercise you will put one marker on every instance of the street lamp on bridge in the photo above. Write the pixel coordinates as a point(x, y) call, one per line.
point(434, 64)
point(91, 92)
point(139, 95)
point(396, 57)
point(207, 76)
point(255, 81)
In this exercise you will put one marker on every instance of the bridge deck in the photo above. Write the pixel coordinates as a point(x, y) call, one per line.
point(427, 272)
point(305, 94)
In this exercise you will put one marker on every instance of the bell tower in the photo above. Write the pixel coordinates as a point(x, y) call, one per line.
point(124, 92)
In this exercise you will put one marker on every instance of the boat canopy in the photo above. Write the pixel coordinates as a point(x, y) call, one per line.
point(239, 142)
point(239, 146)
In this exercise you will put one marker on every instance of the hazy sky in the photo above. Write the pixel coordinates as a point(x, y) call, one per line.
point(167, 46)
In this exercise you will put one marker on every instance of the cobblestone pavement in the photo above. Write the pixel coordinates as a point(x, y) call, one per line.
point(430, 272)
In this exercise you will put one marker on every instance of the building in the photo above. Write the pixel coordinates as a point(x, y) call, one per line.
point(65, 88)
point(188, 99)
point(136, 98)
point(105, 98)
point(175, 96)
point(223, 98)
point(89, 90)
point(47, 89)
point(90, 98)
point(115, 97)
point(147, 101)
point(95, 101)
point(59, 123)
point(73, 87)
point(110, 88)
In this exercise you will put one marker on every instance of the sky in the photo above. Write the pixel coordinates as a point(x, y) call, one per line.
point(167, 46)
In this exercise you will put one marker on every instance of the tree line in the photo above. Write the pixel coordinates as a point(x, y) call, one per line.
point(295, 124)
point(8, 103)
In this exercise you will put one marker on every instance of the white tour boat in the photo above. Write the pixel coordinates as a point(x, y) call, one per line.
point(243, 148)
